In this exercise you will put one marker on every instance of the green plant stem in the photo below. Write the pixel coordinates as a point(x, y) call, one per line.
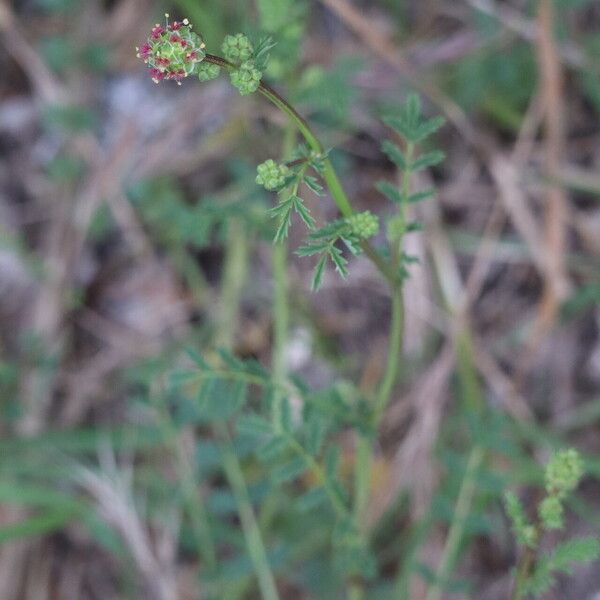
point(459, 519)
point(280, 323)
point(392, 367)
point(194, 502)
point(254, 541)
point(329, 174)
point(523, 571)
point(234, 277)
point(364, 443)
point(390, 374)
point(356, 592)
point(281, 313)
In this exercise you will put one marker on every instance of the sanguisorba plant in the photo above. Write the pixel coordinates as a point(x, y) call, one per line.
point(174, 51)
point(293, 445)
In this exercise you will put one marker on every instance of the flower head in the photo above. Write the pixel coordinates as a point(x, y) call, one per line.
point(551, 512)
point(364, 225)
point(246, 78)
point(563, 472)
point(272, 176)
point(172, 51)
point(237, 48)
point(207, 71)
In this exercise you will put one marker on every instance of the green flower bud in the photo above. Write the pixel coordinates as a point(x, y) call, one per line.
point(207, 71)
point(237, 48)
point(563, 472)
point(551, 513)
point(528, 536)
point(271, 175)
point(246, 78)
point(364, 225)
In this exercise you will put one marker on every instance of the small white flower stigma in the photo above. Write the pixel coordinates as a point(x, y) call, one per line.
point(186, 22)
point(202, 45)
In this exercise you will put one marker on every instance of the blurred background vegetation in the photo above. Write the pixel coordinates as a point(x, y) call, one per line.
point(129, 216)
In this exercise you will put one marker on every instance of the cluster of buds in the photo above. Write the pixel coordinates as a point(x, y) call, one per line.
point(563, 473)
point(364, 225)
point(237, 48)
point(207, 71)
point(173, 51)
point(551, 512)
point(562, 476)
point(246, 78)
point(272, 176)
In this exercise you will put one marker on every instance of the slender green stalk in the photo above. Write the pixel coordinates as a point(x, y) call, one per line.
point(362, 477)
point(390, 374)
point(281, 313)
point(194, 502)
point(461, 512)
point(356, 592)
point(234, 276)
point(523, 571)
point(392, 368)
point(254, 541)
point(364, 444)
point(280, 323)
point(235, 273)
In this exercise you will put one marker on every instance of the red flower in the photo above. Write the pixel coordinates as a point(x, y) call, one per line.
point(156, 32)
point(177, 75)
point(157, 75)
point(145, 51)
